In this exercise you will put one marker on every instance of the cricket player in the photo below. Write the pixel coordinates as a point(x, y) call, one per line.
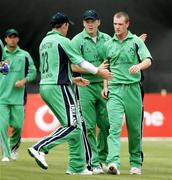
point(56, 56)
point(127, 56)
point(12, 94)
point(89, 44)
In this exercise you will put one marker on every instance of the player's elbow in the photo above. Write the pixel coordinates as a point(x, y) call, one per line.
point(74, 68)
point(149, 62)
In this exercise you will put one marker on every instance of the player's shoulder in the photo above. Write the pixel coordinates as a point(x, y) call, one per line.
point(24, 53)
point(78, 37)
point(1, 42)
point(109, 41)
point(105, 35)
point(64, 41)
point(136, 38)
point(57, 38)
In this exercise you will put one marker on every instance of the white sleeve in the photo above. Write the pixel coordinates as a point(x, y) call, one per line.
point(88, 67)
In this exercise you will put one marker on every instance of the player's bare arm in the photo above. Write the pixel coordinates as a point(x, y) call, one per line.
point(141, 66)
point(104, 92)
point(76, 68)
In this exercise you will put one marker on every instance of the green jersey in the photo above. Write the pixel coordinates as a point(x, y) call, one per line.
point(90, 50)
point(123, 55)
point(1, 51)
point(56, 56)
point(21, 66)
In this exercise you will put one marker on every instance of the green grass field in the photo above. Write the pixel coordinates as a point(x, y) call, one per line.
point(157, 164)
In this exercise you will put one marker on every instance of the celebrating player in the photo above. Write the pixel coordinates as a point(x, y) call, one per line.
point(56, 56)
point(89, 44)
point(127, 56)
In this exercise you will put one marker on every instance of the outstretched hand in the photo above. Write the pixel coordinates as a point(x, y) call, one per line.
point(104, 65)
point(104, 73)
point(143, 37)
point(79, 81)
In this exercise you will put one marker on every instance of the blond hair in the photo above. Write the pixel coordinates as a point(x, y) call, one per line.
point(122, 14)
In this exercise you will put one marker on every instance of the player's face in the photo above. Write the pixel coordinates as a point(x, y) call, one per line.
point(91, 26)
point(12, 41)
point(120, 26)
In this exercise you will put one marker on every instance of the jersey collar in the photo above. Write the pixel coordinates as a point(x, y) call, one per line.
point(86, 35)
point(54, 32)
point(129, 36)
point(8, 51)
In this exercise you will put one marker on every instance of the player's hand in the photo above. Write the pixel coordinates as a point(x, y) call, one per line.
point(104, 73)
point(134, 69)
point(79, 81)
point(104, 65)
point(20, 83)
point(143, 37)
point(104, 93)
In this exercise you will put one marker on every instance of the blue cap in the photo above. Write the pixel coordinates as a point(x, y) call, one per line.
point(90, 14)
point(60, 18)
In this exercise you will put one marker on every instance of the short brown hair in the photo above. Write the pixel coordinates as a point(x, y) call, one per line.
point(122, 13)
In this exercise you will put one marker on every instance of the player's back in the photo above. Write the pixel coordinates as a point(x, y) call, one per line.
point(54, 62)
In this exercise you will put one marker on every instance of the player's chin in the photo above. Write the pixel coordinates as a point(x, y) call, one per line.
point(90, 31)
point(118, 33)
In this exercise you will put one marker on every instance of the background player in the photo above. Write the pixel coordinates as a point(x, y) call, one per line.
point(89, 44)
point(12, 94)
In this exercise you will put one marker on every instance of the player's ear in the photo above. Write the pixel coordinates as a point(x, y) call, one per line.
point(128, 23)
point(64, 25)
point(18, 39)
point(5, 39)
point(83, 22)
point(99, 22)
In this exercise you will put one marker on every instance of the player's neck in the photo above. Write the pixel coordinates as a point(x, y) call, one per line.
point(121, 37)
point(11, 48)
point(93, 34)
